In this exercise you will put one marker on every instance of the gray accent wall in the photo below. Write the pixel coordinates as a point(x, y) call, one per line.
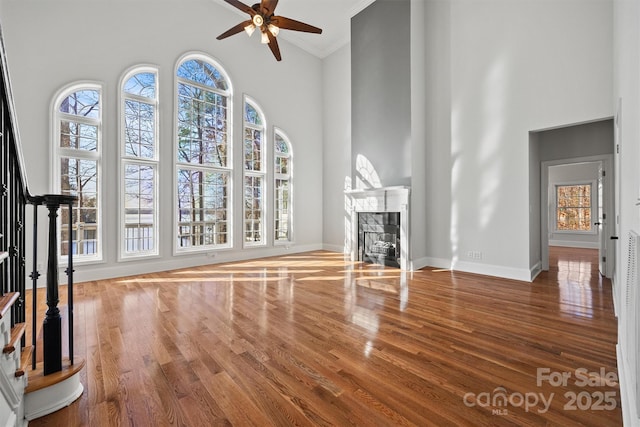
point(589, 139)
point(381, 95)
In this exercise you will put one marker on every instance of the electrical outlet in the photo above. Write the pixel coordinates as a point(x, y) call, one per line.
point(474, 255)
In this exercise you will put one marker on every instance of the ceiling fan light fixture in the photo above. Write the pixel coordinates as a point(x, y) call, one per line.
point(258, 20)
point(249, 29)
point(274, 30)
point(262, 16)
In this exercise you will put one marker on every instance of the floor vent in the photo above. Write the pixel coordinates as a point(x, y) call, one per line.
point(632, 319)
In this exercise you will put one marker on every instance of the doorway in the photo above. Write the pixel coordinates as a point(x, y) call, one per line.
point(591, 141)
point(588, 172)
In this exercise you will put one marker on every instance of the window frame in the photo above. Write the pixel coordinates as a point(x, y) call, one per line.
point(261, 174)
point(289, 176)
point(178, 166)
point(125, 160)
point(593, 206)
point(58, 153)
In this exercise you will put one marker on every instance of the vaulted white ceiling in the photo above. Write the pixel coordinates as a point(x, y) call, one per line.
point(333, 16)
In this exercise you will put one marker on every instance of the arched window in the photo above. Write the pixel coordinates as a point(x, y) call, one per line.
point(203, 155)
point(139, 163)
point(77, 166)
point(283, 225)
point(254, 174)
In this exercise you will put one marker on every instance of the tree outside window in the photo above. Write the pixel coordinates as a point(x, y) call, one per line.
point(282, 189)
point(254, 174)
point(139, 163)
point(573, 207)
point(203, 168)
point(78, 121)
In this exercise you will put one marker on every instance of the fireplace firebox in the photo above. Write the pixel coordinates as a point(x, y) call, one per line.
point(383, 236)
point(379, 238)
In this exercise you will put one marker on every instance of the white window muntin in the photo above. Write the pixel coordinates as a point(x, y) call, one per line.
point(214, 227)
point(280, 214)
point(61, 153)
point(125, 252)
point(594, 207)
point(178, 166)
point(254, 229)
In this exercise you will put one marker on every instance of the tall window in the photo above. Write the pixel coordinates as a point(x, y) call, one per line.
point(254, 174)
point(282, 188)
point(203, 149)
point(139, 216)
point(78, 135)
point(573, 207)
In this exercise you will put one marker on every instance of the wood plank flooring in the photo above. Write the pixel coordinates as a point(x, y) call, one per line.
point(313, 340)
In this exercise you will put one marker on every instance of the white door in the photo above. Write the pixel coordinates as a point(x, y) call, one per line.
point(600, 223)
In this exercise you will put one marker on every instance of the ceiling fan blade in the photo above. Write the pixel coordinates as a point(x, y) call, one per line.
point(243, 7)
point(273, 45)
point(234, 30)
point(291, 24)
point(268, 6)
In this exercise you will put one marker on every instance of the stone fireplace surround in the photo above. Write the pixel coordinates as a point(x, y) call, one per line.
point(374, 200)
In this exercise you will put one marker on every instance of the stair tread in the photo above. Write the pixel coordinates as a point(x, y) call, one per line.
point(16, 334)
point(25, 360)
point(6, 301)
point(39, 381)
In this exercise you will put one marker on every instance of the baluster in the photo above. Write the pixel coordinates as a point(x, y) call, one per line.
point(70, 284)
point(35, 275)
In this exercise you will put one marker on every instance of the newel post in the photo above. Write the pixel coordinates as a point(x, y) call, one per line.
point(52, 325)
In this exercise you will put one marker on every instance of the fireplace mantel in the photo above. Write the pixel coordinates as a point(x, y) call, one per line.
point(384, 199)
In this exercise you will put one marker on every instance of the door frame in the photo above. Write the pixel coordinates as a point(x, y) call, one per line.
point(607, 162)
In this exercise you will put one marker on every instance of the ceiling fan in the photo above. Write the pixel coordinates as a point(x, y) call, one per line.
point(263, 18)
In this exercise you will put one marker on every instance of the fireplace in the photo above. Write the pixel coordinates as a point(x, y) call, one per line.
point(379, 238)
point(378, 226)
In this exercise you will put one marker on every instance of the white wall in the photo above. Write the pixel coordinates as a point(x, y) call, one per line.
point(495, 70)
point(626, 94)
point(517, 66)
point(431, 195)
point(336, 173)
point(51, 44)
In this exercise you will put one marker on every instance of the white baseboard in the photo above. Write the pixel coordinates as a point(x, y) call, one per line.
point(90, 272)
point(535, 270)
point(334, 248)
point(476, 268)
point(85, 273)
point(418, 263)
point(432, 262)
point(523, 275)
point(574, 244)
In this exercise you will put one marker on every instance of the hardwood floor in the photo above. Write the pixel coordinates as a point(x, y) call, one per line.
point(312, 339)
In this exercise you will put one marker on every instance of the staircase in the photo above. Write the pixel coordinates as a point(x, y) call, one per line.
point(13, 363)
point(29, 388)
